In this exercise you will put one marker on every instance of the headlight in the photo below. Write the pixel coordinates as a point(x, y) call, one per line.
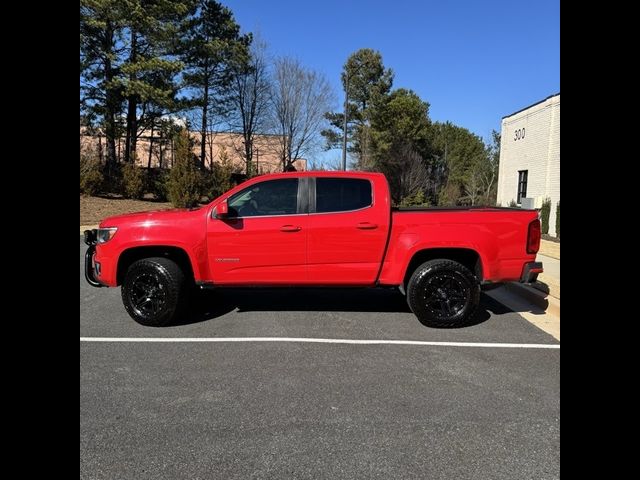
point(105, 234)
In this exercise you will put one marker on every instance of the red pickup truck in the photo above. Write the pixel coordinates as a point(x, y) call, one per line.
point(313, 229)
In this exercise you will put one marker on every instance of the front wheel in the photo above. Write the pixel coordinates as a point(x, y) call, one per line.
point(154, 291)
point(443, 293)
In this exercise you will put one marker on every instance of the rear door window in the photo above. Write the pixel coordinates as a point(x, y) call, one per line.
point(342, 194)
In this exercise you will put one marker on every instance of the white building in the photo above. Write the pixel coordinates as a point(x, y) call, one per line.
point(530, 156)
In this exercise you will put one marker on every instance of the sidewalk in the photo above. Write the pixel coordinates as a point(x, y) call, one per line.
point(544, 294)
point(550, 277)
point(549, 281)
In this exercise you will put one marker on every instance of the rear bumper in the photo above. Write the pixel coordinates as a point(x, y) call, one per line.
point(530, 272)
point(89, 273)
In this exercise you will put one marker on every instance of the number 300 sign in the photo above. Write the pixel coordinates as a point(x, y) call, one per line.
point(519, 134)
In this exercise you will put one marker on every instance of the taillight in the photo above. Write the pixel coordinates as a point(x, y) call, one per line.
point(533, 237)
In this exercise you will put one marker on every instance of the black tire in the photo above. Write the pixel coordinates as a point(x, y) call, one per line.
point(155, 291)
point(443, 293)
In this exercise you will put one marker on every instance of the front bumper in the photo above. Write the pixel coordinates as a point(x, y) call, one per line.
point(530, 272)
point(89, 273)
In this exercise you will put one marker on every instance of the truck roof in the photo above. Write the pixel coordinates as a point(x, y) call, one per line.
point(323, 173)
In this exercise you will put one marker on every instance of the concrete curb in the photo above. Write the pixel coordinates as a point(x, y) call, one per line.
point(540, 299)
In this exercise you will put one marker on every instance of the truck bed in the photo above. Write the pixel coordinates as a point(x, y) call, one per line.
point(454, 209)
point(497, 234)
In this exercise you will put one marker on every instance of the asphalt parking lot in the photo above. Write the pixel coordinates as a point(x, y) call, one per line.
point(314, 410)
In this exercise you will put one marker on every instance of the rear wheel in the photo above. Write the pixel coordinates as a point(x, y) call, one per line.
point(443, 293)
point(154, 291)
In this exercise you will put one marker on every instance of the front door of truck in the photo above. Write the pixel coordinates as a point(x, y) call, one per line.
point(263, 240)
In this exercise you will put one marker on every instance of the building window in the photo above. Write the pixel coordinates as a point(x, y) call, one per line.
point(522, 184)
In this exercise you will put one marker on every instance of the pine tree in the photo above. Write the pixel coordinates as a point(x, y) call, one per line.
point(185, 179)
point(210, 43)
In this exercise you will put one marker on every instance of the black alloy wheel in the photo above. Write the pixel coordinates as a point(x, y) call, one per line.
point(155, 291)
point(443, 293)
point(148, 294)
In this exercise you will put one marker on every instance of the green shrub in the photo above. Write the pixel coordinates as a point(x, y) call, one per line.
point(113, 179)
point(513, 204)
point(133, 181)
point(449, 194)
point(185, 179)
point(416, 200)
point(222, 173)
point(218, 179)
point(207, 184)
point(158, 183)
point(91, 177)
point(545, 211)
point(558, 220)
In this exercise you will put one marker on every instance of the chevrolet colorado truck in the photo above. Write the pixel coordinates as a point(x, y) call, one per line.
point(320, 229)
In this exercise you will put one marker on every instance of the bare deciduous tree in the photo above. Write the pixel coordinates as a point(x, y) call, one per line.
point(250, 96)
point(473, 184)
point(299, 100)
point(406, 172)
point(480, 178)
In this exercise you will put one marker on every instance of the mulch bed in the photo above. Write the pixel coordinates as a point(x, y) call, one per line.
point(94, 209)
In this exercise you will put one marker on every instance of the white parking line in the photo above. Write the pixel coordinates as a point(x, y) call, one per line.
point(316, 340)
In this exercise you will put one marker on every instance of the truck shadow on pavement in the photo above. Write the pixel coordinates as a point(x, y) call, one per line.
point(208, 305)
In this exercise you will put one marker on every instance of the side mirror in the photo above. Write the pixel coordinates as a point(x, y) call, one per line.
point(222, 210)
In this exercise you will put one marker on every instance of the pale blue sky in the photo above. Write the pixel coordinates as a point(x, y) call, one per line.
point(473, 61)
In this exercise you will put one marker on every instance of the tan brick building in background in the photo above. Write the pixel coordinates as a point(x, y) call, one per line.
point(530, 156)
point(158, 152)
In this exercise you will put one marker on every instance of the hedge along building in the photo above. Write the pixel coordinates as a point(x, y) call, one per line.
point(530, 157)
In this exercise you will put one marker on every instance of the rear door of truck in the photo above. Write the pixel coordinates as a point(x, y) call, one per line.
point(348, 229)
